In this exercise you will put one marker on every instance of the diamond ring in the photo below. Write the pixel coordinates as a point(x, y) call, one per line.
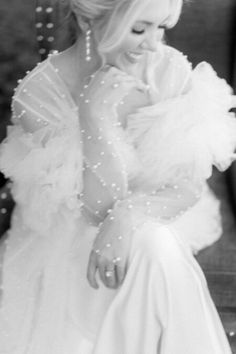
point(109, 273)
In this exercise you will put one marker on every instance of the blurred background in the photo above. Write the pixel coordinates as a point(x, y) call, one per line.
point(206, 31)
point(18, 50)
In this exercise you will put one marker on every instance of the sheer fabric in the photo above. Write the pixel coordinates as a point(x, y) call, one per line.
point(72, 176)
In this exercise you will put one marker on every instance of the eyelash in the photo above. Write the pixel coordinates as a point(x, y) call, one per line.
point(164, 27)
point(138, 32)
point(143, 31)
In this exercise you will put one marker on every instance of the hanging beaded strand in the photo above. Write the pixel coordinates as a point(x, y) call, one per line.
point(88, 45)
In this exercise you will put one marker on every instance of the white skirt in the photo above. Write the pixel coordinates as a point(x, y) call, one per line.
point(163, 306)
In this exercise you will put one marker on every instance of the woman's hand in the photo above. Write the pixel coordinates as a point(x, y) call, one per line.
point(110, 253)
point(106, 89)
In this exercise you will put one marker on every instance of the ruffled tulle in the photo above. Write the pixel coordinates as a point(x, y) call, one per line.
point(186, 135)
point(45, 165)
point(47, 305)
point(45, 177)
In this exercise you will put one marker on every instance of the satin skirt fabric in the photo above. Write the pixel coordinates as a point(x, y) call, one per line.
point(163, 306)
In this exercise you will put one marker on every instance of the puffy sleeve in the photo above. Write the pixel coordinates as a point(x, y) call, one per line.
point(179, 138)
point(42, 153)
point(188, 130)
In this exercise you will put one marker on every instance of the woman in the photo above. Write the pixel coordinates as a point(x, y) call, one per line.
point(112, 143)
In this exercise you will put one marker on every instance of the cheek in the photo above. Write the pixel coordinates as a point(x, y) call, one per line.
point(115, 56)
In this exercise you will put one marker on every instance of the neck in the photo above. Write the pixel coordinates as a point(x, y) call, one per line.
point(86, 67)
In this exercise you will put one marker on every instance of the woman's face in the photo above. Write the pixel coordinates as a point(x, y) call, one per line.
point(143, 35)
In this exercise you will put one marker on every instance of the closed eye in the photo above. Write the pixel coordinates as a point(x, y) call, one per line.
point(164, 27)
point(138, 31)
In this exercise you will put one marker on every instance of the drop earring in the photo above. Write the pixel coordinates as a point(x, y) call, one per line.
point(88, 45)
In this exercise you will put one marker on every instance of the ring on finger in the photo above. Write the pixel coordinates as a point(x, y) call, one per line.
point(109, 273)
point(116, 260)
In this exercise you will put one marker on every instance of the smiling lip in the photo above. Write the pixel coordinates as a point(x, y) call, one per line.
point(133, 57)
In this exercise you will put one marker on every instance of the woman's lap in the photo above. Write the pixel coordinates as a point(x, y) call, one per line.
point(162, 272)
point(164, 290)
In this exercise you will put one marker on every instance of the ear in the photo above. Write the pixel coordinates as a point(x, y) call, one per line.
point(83, 23)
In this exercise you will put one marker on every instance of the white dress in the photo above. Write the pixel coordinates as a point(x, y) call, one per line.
point(163, 306)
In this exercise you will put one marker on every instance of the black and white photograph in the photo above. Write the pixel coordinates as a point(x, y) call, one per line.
point(118, 177)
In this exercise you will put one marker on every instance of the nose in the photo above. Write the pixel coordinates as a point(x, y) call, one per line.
point(152, 39)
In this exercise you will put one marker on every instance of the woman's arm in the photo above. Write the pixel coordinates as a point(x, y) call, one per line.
point(166, 203)
point(112, 244)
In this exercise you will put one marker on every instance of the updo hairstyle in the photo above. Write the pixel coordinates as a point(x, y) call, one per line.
point(92, 9)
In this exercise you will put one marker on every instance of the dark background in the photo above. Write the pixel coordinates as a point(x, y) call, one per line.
point(18, 49)
point(207, 31)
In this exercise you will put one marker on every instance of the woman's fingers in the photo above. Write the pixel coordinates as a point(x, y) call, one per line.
point(92, 269)
point(107, 273)
point(127, 82)
point(102, 269)
point(112, 275)
point(121, 272)
point(110, 77)
point(104, 75)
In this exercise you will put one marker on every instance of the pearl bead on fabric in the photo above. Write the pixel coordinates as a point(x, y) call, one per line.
point(149, 206)
point(110, 143)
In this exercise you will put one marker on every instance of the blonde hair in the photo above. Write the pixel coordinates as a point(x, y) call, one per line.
point(91, 9)
point(126, 10)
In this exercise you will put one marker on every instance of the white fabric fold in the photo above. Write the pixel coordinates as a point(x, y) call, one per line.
point(47, 304)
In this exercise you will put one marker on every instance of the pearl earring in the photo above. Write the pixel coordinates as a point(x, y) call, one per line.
point(88, 45)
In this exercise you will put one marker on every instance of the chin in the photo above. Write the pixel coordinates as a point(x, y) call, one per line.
point(126, 65)
point(123, 63)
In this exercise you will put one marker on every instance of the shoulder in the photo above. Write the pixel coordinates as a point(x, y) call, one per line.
point(67, 65)
point(42, 99)
point(43, 78)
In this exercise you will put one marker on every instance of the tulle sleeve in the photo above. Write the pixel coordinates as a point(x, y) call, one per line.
point(42, 152)
point(178, 140)
point(188, 132)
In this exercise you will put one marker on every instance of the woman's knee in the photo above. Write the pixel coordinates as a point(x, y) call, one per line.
point(158, 242)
